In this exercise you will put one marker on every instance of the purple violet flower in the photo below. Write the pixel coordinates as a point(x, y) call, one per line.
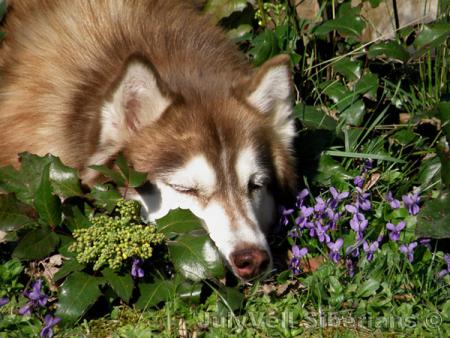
point(321, 233)
point(36, 297)
point(368, 164)
point(4, 301)
point(302, 219)
point(333, 218)
point(408, 250)
point(353, 249)
point(394, 203)
point(351, 208)
point(425, 242)
point(320, 205)
point(49, 323)
point(358, 223)
point(362, 201)
point(301, 197)
point(297, 254)
point(370, 249)
point(394, 234)
point(411, 201)
point(359, 181)
point(444, 272)
point(285, 213)
point(334, 249)
point(337, 197)
point(136, 269)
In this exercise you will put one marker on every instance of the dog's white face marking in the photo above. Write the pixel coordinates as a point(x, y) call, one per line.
point(196, 175)
point(234, 218)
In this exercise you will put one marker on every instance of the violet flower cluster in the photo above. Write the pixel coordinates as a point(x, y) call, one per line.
point(38, 298)
point(334, 214)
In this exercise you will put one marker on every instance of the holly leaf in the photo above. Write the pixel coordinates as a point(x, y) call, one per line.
point(178, 221)
point(195, 257)
point(65, 181)
point(47, 205)
point(13, 214)
point(76, 295)
point(105, 196)
point(122, 285)
point(36, 244)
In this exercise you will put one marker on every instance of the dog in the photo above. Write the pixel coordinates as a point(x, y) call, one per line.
point(155, 80)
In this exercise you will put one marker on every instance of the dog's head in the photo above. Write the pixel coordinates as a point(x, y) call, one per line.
point(225, 159)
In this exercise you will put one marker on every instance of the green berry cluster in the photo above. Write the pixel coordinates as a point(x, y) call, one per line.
point(112, 239)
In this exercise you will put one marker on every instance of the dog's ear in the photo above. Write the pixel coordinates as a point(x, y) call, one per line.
point(137, 101)
point(269, 91)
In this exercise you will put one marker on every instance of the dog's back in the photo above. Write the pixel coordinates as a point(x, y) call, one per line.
point(60, 59)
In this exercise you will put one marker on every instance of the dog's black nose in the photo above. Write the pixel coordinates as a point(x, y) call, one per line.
point(250, 262)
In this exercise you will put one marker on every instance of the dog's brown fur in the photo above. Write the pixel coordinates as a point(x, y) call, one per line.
point(61, 59)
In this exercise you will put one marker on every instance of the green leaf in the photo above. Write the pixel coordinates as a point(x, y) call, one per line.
point(432, 35)
point(368, 85)
point(443, 150)
point(115, 176)
point(351, 26)
point(65, 181)
point(444, 116)
point(36, 244)
point(190, 292)
point(105, 196)
point(25, 181)
point(47, 205)
point(220, 9)
point(122, 285)
point(329, 170)
point(230, 299)
point(155, 293)
point(69, 266)
point(368, 288)
point(429, 173)
point(265, 47)
point(75, 219)
point(339, 94)
point(389, 49)
point(76, 295)
point(354, 114)
point(178, 221)
point(351, 69)
point(314, 118)
point(12, 214)
point(434, 218)
point(195, 257)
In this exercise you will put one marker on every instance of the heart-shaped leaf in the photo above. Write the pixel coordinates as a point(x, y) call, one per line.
point(434, 218)
point(314, 118)
point(219, 9)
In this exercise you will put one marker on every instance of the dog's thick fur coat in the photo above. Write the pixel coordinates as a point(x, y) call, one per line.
point(84, 80)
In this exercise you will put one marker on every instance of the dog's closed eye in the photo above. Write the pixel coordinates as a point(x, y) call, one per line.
point(185, 189)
